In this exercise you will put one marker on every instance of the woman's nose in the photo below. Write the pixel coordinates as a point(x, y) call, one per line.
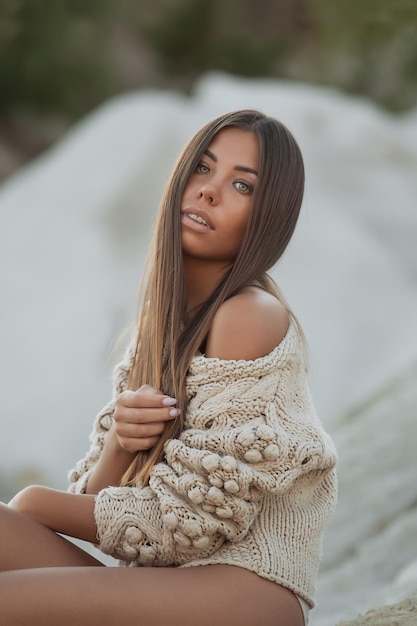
point(208, 193)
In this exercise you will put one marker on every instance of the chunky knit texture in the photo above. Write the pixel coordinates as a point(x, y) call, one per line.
point(249, 482)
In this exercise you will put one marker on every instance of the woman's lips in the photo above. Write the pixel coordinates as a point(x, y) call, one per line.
point(197, 220)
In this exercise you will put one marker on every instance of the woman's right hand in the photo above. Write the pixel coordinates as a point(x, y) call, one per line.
point(140, 417)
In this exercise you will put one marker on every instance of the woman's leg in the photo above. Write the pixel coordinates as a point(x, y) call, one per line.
point(214, 594)
point(26, 544)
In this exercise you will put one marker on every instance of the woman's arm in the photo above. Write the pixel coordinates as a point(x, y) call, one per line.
point(66, 513)
point(107, 458)
point(139, 419)
point(111, 465)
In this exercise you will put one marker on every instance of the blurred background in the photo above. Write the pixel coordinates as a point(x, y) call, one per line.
point(59, 60)
point(96, 100)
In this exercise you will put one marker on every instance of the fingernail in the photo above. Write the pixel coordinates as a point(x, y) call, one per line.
point(174, 412)
point(169, 401)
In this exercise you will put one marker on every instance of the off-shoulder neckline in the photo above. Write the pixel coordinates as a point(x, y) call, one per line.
point(200, 357)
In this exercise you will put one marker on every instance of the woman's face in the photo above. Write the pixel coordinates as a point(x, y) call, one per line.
point(218, 197)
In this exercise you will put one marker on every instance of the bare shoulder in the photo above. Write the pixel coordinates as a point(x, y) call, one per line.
point(247, 326)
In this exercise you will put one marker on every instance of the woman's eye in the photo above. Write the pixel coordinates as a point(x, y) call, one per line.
point(202, 168)
point(243, 187)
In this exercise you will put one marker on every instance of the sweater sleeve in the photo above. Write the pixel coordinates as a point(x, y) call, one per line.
point(79, 475)
point(242, 440)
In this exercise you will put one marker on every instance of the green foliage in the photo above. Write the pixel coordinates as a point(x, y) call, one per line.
point(369, 47)
point(51, 54)
point(192, 36)
point(363, 22)
point(257, 56)
point(66, 56)
point(180, 36)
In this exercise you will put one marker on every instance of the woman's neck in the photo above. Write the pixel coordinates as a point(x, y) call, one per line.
point(201, 279)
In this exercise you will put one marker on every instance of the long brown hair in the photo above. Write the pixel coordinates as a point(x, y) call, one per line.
point(166, 341)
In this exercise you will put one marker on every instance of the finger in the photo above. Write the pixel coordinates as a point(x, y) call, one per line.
point(140, 430)
point(148, 389)
point(137, 445)
point(128, 415)
point(139, 399)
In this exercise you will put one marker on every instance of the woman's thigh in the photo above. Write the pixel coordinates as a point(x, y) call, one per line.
point(213, 594)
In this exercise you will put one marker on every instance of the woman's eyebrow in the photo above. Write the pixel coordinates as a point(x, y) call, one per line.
point(239, 168)
point(211, 155)
point(243, 168)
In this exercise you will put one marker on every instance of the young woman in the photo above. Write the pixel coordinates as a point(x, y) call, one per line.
point(209, 466)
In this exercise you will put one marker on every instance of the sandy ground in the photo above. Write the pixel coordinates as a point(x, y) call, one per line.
point(403, 613)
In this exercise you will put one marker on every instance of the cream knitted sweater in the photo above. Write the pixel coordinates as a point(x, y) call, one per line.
point(249, 482)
